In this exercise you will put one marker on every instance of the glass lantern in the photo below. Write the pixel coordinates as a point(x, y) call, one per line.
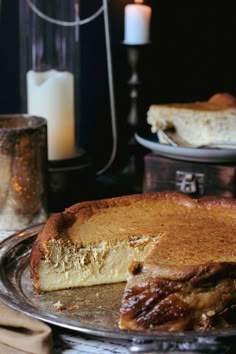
point(50, 70)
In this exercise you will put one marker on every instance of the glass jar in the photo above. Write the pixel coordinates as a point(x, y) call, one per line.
point(51, 70)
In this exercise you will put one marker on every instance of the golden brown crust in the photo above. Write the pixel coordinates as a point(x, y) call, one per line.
point(195, 274)
point(120, 218)
point(218, 102)
point(86, 209)
point(224, 100)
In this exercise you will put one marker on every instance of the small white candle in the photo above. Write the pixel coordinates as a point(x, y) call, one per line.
point(50, 94)
point(137, 24)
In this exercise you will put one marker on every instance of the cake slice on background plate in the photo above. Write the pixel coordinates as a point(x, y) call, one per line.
point(196, 124)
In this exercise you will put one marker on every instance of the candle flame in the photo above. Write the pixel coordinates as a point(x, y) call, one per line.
point(138, 1)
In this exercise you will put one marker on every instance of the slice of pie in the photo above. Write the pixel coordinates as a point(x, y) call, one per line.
point(196, 124)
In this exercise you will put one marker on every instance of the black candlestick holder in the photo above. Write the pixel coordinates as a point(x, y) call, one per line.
point(134, 164)
point(134, 52)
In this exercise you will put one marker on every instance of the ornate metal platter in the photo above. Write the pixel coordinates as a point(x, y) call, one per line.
point(91, 310)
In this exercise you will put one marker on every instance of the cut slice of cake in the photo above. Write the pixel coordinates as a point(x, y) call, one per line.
point(92, 242)
point(188, 280)
point(197, 123)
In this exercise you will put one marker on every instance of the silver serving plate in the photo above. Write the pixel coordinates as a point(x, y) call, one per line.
point(93, 311)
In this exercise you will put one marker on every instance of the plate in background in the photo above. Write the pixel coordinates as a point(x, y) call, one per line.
point(186, 153)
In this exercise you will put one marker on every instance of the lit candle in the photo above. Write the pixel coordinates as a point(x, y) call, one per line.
point(50, 94)
point(137, 23)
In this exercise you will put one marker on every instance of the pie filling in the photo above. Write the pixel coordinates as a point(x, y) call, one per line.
point(67, 265)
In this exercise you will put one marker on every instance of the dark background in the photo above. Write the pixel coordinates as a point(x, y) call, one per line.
point(191, 57)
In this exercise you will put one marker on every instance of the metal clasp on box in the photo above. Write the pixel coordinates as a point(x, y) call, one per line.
point(189, 182)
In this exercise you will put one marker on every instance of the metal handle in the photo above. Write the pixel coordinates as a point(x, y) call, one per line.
point(189, 182)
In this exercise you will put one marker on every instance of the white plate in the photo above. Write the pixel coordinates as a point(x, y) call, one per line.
point(186, 153)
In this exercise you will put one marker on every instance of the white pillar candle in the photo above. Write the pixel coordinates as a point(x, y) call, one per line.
point(137, 24)
point(50, 94)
